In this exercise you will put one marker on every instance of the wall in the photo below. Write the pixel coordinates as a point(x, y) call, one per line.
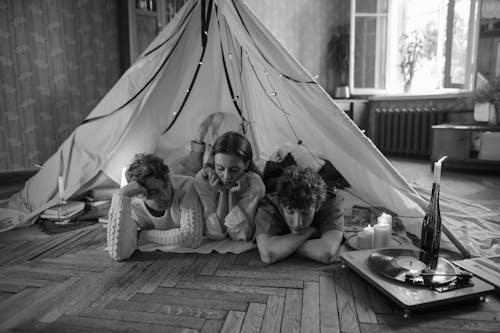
point(304, 27)
point(58, 58)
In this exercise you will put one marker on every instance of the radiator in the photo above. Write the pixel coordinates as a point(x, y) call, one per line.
point(405, 132)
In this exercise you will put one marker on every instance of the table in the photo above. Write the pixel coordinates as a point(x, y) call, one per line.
point(470, 146)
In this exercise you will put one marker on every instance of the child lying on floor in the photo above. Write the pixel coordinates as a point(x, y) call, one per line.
point(230, 187)
point(164, 207)
point(299, 217)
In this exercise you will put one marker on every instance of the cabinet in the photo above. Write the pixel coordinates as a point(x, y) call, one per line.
point(356, 109)
point(143, 20)
point(467, 146)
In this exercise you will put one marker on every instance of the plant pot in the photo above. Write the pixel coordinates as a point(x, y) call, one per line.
point(342, 92)
point(486, 112)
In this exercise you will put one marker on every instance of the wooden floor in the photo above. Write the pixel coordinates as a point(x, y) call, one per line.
point(67, 283)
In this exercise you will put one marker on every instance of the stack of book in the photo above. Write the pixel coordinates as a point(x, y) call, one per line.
point(64, 212)
point(98, 202)
point(97, 208)
point(101, 193)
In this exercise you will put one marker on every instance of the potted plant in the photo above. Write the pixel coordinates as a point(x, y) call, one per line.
point(338, 56)
point(487, 102)
point(413, 48)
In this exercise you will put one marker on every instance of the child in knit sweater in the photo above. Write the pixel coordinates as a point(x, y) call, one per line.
point(154, 207)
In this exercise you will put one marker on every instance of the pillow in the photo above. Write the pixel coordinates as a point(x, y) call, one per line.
point(273, 170)
point(303, 157)
point(332, 177)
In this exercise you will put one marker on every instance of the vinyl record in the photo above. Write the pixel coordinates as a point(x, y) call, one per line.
point(409, 266)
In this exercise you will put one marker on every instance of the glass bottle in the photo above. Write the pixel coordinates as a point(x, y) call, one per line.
point(430, 238)
point(431, 229)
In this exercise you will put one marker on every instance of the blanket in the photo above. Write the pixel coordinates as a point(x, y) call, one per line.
point(207, 246)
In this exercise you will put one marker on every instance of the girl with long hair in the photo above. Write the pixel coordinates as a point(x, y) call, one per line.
point(230, 186)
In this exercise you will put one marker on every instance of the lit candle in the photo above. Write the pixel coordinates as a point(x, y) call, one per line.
point(385, 219)
point(123, 179)
point(381, 235)
point(437, 170)
point(365, 238)
point(60, 189)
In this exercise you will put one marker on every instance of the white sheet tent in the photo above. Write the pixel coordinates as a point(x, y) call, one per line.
point(213, 56)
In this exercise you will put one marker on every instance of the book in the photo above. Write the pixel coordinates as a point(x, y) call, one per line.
point(63, 217)
point(93, 213)
point(103, 219)
point(102, 193)
point(102, 207)
point(486, 268)
point(357, 219)
point(97, 203)
point(64, 210)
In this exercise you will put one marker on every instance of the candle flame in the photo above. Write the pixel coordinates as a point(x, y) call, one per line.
point(123, 179)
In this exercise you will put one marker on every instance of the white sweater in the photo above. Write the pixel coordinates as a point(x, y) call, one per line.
point(181, 224)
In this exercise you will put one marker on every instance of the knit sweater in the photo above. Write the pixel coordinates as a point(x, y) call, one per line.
point(181, 224)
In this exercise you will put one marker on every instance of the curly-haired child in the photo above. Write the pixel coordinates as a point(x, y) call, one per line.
point(154, 207)
point(299, 217)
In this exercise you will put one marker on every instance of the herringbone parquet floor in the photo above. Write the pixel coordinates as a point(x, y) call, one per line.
point(67, 283)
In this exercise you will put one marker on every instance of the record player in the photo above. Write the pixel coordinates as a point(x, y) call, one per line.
point(402, 274)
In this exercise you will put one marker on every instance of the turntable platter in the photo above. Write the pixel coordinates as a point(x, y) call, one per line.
point(405, 265)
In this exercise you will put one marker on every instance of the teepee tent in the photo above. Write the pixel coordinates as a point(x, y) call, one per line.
point(214, 56)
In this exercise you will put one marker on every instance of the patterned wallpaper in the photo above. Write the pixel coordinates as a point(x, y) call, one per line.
point(58, 58)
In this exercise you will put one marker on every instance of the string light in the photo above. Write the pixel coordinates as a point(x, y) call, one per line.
point(174, 113)
point(273, 94)
point(187, 91)
point(205, 32)
point(200, 63)
point(230, 56)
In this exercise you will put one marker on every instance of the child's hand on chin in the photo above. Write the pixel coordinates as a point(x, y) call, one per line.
point(215, 182)
point(241, 185)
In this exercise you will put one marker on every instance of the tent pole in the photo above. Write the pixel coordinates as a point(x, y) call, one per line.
point(456, 242)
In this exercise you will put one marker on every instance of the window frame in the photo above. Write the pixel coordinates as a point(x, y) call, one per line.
point(391, 73)
point(471, 56)
point(352, 40)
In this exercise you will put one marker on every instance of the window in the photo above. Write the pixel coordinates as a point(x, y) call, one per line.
point(413, 46)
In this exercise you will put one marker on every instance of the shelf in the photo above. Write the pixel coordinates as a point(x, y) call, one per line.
point(466, 160)
point(473, 165)
point(473, 127)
